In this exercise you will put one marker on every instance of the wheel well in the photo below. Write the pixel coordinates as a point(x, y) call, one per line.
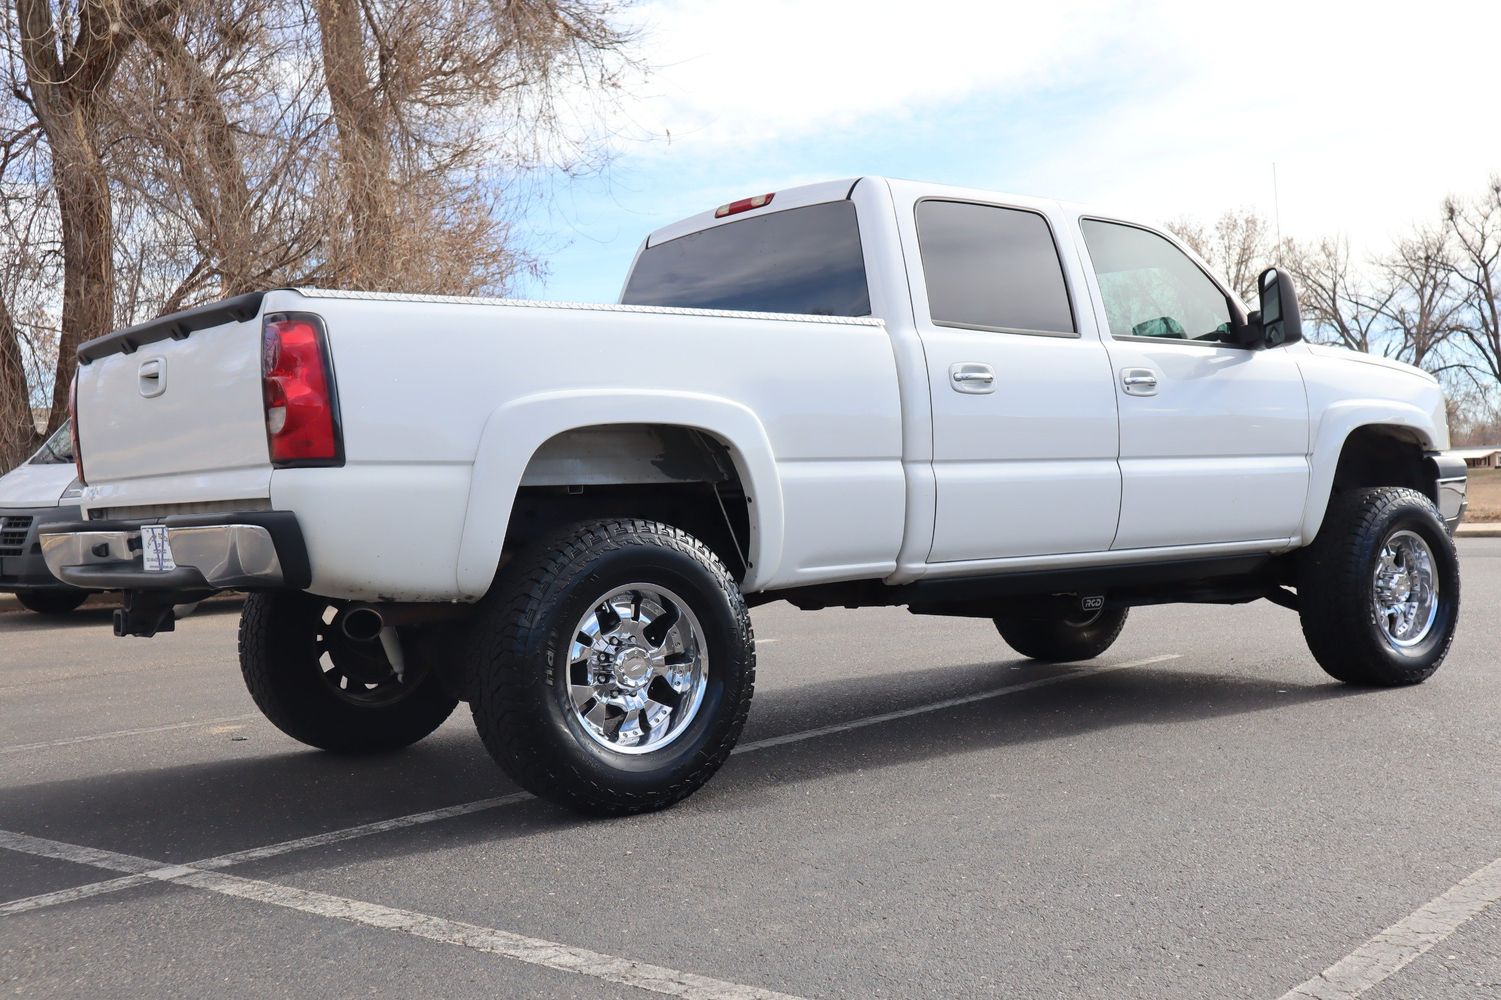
point(1377, 455)
point(680, 476)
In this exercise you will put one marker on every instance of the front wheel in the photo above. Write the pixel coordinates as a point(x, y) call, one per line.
point(1378, 590)
point(329, 691)
point(1082, 635)
point(614, 666)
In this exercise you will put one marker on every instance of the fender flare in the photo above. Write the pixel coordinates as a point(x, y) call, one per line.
point(513, 433)
point(1336, 425)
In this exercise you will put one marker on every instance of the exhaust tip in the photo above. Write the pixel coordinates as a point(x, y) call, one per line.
point(362, 624)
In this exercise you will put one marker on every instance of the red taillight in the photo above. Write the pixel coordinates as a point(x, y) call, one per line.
point(302, 420)
point(743, 205)
point(73, 429)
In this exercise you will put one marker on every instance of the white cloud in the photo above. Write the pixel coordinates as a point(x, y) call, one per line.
point(735, 72)
point(1371, 111)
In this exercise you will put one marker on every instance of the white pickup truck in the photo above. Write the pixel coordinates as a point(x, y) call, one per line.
point(863, 392)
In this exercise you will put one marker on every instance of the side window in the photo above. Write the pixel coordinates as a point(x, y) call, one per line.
point(992, 269)
point(1151, 289)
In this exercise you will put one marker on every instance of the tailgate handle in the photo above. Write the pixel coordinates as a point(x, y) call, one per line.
point(153, 377)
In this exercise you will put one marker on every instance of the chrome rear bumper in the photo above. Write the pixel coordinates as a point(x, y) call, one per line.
point(247, 551)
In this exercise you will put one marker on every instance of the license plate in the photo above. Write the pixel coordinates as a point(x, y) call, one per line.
point(156, 550)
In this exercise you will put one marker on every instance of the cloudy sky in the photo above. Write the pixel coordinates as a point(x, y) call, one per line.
point(1371, 111)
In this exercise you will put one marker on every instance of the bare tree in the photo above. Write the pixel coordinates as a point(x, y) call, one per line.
point(1337, 305)
point(70, 50)
point(1476, 229)
point(29, 269)
point(15, 396)
point(429, 98)
point(1417, 298)
point(219, 160)
point(1239, 246)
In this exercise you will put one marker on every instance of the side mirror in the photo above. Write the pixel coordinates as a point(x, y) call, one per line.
point(1279, 321)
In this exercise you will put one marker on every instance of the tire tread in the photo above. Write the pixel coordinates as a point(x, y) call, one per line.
point(507, 708)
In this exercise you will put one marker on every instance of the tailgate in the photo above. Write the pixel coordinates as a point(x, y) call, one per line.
point(172, 411)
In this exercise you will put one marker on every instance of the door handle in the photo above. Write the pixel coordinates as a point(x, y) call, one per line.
point(972, 377)
point(153, 377)
point(1139, 381)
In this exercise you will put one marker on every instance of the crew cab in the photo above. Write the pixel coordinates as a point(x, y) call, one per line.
point(861, 392)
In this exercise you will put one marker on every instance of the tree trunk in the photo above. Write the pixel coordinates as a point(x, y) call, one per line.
point(364, 156)
point(18, 436)
point(88, 248)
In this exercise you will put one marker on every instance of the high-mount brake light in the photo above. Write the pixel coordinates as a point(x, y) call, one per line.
point(73, 430)
point(297, 380)
point(743, 205)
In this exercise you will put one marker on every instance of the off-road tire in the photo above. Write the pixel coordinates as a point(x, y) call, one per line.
point(279, 659)
point(522, 631)
point(1336, 588)
point(1065, 638)
point(52, 602)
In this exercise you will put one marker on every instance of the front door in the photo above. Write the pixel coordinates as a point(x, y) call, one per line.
point(1024, 413)
point(1213, 436)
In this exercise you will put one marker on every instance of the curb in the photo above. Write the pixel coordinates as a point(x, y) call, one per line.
point(1483, 529)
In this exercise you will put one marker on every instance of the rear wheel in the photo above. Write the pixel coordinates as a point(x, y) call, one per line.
point(1082, 635)
point(1378, 590)
point(329, 691)
point(614, 665)
point(52, 602)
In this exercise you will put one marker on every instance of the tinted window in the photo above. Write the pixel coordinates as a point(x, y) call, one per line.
point(803, 260)
point(994, 268)
point(1151, 288)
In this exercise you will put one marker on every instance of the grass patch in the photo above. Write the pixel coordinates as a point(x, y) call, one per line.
point(1485, 495)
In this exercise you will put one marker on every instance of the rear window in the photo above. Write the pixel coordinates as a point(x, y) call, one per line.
point(803, 260)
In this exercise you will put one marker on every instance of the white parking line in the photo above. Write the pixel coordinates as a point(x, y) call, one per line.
point(533, 951)
point(43, 900)
point(363, 830)
point(1404, 941)
point(46, 899)
point(71, 740)
point(59, 897)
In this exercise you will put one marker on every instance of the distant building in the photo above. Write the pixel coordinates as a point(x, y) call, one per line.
point(1479, 458)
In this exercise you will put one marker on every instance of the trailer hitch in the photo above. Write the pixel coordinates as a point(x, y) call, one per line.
point(144, 613)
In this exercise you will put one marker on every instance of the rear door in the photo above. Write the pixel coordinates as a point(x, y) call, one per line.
point(1214, 436)
point(1024, 414)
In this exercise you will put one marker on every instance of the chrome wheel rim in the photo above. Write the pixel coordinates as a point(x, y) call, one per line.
point(637, 669)
point(1405, 591)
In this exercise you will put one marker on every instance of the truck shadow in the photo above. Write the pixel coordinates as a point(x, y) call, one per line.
point(269, 793)
point(99, 613)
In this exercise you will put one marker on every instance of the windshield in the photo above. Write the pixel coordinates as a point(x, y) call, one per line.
point(57, 449)
point(802, 260)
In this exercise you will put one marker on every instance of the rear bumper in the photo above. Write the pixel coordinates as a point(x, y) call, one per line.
point(21, 564)
point(258, 550)
point(1452, 481)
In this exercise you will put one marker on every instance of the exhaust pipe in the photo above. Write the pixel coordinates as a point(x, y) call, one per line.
point(362, 623)
point(370, 622)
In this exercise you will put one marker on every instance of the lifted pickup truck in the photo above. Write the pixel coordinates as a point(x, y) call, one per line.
point(864, 392)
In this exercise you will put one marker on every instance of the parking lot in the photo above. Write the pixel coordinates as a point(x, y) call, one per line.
point(913, 812)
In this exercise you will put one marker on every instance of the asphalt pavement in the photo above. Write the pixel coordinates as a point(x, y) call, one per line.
point(914, 812)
